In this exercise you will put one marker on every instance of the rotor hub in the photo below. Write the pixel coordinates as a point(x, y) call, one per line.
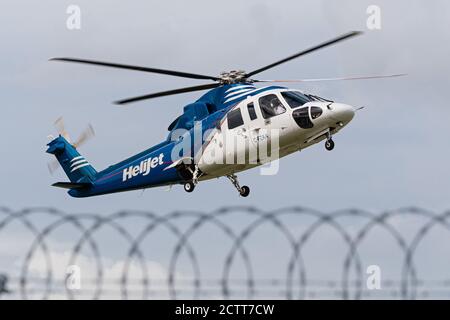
point(233, 76)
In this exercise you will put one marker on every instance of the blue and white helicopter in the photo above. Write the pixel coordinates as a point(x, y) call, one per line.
point(234, 109)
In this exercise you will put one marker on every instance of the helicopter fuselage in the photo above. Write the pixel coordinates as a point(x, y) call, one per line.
point(227, 140)
point(235, 126)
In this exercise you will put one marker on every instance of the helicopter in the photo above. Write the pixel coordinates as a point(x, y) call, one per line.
point(197, 148)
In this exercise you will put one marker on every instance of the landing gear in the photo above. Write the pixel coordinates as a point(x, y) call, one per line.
point(196, 173)
point(244, 191)
point(329, 144)
point(189, 186)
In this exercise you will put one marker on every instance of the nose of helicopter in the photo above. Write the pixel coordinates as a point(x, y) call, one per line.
point(342, 112)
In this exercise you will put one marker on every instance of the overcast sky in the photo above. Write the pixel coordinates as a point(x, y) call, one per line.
point(394, 153)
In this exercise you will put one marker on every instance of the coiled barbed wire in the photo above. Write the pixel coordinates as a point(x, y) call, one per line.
point(184, 225)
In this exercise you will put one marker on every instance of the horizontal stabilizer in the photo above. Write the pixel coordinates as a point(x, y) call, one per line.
point(71, 185)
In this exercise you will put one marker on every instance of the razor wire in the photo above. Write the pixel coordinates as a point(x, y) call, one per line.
point(184, 225)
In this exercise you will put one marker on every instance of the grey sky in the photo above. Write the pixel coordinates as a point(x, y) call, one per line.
point(394, 153)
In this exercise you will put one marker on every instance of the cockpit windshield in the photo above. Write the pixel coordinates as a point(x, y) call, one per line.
point(295, 99)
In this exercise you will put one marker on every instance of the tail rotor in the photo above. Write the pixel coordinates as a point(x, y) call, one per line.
point(85, 136)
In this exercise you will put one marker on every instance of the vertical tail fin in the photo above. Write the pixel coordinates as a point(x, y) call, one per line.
point(75, 165)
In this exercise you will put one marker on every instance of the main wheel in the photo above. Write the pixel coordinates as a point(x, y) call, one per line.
point(245, 191)
point(329, 144)
point(189, 186)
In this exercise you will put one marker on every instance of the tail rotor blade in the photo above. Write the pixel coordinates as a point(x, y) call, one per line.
point(86, 135)
point(53, 166)
point(59, 125)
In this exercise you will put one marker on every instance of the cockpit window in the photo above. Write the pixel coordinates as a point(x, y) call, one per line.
point(271, 106)
point(301, 116)
point(316, 112)
point(295, 99)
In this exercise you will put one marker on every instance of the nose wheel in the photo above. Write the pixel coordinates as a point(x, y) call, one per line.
point(244, 191)
point(329, 144)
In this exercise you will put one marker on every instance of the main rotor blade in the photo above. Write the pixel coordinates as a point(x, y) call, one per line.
point(304, 52)
point(337, 79)
point(137, 68)
point(168, 93)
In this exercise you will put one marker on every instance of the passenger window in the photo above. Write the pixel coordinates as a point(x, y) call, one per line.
point(271, 106)
point(251, 111)
point(234, 119)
